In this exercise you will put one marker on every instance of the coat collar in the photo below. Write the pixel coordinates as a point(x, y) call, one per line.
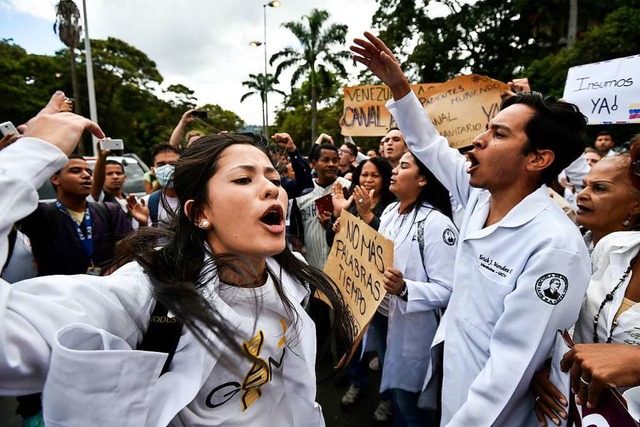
point(522, 213)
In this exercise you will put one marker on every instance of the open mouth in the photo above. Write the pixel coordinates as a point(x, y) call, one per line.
point(273, 218)
point(473, 163)
point(86, 184)
point(582, 209)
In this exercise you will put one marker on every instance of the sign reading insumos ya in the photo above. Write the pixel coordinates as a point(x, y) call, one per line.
point(606, 92)
point(357, 261)
point(460, 108)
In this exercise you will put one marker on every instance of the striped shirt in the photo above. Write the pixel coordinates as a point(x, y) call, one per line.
point(315, 240)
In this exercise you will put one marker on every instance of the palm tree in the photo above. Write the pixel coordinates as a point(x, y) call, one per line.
point(316, 43)
point(68, 28)
point(262, 86)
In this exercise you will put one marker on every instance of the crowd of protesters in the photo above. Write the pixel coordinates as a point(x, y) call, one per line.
point(198, 305)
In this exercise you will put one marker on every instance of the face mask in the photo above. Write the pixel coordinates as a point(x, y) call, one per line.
point(165, 175)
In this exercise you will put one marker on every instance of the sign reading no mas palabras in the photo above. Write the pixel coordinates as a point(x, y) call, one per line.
point(460, 108)
point(357, 261)
point(606, 92)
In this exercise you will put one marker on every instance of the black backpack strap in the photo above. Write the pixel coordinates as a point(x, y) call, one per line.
point(13, 236)
point(154, 206)
point(162, 335)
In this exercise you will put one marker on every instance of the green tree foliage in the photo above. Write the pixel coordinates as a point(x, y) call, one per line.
point(295, 115)
point(259, 85)
point(183, 97)
point(616, 37)
point(220, 119)
point(68, 28)
point(493, 37)
point(28, 81)
point(316, 43)
point(126, 83)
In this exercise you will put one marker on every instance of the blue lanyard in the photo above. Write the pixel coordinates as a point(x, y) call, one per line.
point(86, 241)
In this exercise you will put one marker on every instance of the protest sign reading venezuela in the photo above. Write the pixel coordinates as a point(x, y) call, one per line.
point(357, 261)
point(606, 92)
point(460, 108)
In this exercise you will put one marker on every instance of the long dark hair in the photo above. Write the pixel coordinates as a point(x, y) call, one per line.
point(384, 169)
point(433, 193)
point(184, 264)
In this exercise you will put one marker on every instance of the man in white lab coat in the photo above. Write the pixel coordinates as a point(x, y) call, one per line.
point(521, 265)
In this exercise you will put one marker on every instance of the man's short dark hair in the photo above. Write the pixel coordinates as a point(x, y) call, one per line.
point(114, 162)
point(353, 148)
point(164, 148)
point(314, 154)
point(556, 125)
point(606, 133)
point(72, 156)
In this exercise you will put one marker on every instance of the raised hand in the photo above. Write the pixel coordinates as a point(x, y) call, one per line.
point(62, 130)
point(338, 200)
point(376, 56)
point(138, 210)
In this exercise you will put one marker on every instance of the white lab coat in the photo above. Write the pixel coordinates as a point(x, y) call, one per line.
point(429, 279)
point(611, 257)
point(73, 335)
point(498, 330)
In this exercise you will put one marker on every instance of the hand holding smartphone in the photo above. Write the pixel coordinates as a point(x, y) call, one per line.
point(111, 144)
point(325, 204)
point(8, 127)
point(200, 114)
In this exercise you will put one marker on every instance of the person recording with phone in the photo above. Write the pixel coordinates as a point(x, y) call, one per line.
point(189, 116)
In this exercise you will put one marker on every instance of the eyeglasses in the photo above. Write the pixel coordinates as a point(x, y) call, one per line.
point(343, 151)
point(636, 167)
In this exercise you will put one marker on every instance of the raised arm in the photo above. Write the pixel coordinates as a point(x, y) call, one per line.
point(47, 140)
point(422, 138)
point(99, 172)
point(178, 132)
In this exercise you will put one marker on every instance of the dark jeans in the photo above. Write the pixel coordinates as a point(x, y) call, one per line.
point(406, 404)
point(359, 366)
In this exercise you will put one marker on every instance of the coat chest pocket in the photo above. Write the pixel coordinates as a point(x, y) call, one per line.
point(484, 301)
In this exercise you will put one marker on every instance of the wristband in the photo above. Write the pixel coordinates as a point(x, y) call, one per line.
point(404, 293)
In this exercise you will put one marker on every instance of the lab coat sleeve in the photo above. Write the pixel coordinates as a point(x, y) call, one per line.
point(439, 259)
point(523, 338)
point(422, 138)
point(32, 312)
point(24, 167)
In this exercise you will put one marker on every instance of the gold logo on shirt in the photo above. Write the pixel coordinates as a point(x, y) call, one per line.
point(260, 372)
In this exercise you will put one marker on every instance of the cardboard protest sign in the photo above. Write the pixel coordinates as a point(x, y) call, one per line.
point(357, 261)
point(611, 410)
point(364, 110)
point(606, 92)
point(460, 108)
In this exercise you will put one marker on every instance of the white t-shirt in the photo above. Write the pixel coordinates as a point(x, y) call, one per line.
point(162, 213)
point(246, 393)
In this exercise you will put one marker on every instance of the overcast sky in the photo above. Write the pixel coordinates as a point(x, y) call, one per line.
point(203, 44)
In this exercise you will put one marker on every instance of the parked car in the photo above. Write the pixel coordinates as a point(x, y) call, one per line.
point(134, 168)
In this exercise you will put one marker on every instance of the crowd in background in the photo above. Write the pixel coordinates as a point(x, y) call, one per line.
point(504, 242)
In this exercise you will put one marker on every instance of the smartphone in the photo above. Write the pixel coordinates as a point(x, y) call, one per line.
point(201, 114)
point(325, 204)
point(111, 144)
point(8, 127)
